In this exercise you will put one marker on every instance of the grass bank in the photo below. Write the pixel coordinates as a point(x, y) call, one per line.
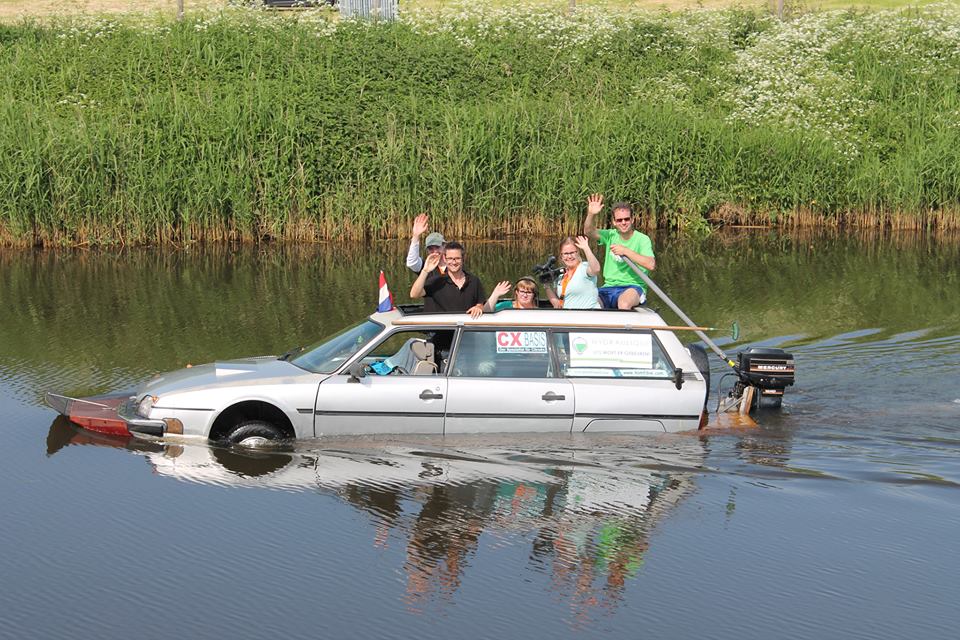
point(247, 125)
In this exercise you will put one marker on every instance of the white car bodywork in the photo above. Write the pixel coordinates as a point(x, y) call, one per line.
point(541, 370)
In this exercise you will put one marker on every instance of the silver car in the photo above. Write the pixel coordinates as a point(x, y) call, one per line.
point(403, 373)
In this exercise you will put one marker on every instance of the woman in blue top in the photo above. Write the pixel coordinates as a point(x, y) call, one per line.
point(524, 295)
point(577, 288)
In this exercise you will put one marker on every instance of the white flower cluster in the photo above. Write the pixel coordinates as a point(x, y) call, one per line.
point(802, 75)
point(673, 88)
point(78, 99)
point(247, 18)
point(788, 78)
point(932, 37)
point(252, 17)
point(468, 22)
point(87, 28)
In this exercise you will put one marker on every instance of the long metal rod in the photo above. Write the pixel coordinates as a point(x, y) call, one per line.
point(653, 286)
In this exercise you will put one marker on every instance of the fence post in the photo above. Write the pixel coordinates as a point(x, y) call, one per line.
point(369, 9)
point(179, 10)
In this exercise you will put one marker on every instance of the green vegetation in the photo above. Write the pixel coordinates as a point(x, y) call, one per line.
point(248, 125)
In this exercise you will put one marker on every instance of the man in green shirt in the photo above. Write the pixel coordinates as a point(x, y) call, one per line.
point(622, 287)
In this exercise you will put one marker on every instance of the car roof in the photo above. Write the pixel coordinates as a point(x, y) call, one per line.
point(638, 318)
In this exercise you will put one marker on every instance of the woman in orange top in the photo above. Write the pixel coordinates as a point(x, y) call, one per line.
point(578, 286)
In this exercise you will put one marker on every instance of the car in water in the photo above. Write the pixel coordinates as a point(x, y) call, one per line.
point(404, 371)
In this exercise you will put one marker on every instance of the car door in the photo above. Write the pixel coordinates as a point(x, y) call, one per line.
point(502, 381)
point(623, 381)
point(402, 398)
point(380, 404)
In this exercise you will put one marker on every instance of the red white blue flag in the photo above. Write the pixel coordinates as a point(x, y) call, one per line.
point(386, 299)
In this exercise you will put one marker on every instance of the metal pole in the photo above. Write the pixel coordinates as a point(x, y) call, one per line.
point(653, 286)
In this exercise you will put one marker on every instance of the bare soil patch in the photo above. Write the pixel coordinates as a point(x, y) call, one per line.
point(11, 10)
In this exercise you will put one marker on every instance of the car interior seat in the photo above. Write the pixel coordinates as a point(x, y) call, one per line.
point(423, 353)
point(414, 358)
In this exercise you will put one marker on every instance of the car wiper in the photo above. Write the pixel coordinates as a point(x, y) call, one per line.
point(290, 353)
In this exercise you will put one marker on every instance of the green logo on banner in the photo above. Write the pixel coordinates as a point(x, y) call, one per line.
point(580, 345)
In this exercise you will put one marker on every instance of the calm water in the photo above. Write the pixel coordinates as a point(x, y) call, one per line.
point(836, 518)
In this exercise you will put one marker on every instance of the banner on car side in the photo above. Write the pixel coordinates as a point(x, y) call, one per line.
point(615, 350)
point(521, 341)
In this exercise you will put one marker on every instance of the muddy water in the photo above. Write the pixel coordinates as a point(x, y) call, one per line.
point(837, 517)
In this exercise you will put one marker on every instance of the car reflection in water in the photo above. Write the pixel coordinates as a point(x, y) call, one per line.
point(589, 505)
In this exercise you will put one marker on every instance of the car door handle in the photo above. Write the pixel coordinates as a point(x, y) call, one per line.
point(426, 394)
point(550, 396)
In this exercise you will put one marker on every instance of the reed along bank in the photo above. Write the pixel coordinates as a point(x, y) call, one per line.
point(246, 125)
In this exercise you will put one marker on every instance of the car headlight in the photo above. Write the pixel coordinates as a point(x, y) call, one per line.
point(146, 403)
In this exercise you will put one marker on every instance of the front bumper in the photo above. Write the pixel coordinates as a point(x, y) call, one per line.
point(127, 411)
point(114, 415)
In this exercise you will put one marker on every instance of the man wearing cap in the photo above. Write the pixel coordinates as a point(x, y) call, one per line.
point(434, 244)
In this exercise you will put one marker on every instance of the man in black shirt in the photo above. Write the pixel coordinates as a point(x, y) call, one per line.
point(455, 291)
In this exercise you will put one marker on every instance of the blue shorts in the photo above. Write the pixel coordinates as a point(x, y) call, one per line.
point(609, 295)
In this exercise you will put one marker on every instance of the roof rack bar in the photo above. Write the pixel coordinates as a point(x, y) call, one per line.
point(565, 325)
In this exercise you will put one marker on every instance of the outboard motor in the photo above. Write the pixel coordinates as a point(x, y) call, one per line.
point(768, 371)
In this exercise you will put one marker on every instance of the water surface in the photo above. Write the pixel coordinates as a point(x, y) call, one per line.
point(835, 518)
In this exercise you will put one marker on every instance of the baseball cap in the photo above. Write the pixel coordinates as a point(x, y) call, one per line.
point(434, 240)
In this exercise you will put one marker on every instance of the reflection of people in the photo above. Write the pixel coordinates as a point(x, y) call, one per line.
point(589, 528)
point(524, 295)
point(455, 291)
point(446, 531)
point(381, 503)
point(622, 288)
point(584, 552)
point(587, 541)
point(578, 286)
point(433, 243)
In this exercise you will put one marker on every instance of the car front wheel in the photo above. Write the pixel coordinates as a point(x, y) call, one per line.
point(252, 433)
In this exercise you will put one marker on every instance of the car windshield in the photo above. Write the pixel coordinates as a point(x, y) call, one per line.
point(329, 355)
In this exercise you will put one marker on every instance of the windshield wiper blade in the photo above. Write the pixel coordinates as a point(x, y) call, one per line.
point(290, 353)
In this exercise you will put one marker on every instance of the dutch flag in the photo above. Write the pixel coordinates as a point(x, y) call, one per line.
point(386, 300)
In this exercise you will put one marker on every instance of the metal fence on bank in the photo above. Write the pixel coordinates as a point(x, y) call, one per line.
point(369, 9)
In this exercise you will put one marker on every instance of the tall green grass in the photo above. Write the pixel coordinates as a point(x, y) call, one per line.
point(246, 126)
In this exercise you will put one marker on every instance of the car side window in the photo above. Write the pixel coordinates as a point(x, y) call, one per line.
point(611, 354)
point(502, 354)
point(394, 342)
point(409, 353)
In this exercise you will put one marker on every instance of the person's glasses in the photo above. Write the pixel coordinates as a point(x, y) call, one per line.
point(569, 254)
point(627, 219)
point(519, 291)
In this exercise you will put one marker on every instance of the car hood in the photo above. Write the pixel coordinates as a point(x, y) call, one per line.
point(246, 371)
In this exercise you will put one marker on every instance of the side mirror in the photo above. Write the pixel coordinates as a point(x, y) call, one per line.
point(678, 378)
point(357, 370)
